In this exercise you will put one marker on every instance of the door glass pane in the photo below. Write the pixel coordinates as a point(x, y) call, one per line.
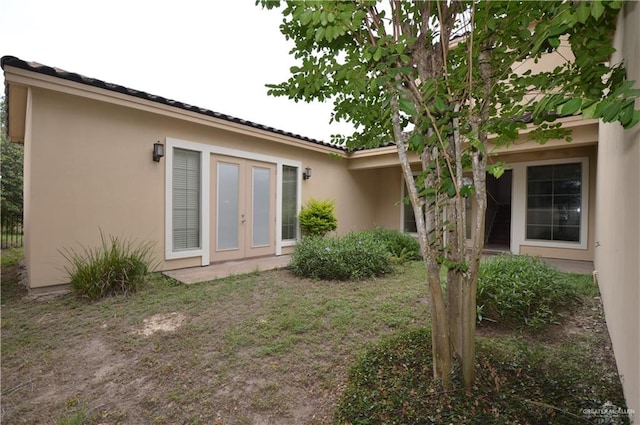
point(261, 206)
point(228, 187)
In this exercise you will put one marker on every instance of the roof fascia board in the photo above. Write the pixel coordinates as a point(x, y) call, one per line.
point(20, 76)
point(585, 132)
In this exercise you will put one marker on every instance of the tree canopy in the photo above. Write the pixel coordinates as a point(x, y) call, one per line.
point(449, 80)
point(11, 160)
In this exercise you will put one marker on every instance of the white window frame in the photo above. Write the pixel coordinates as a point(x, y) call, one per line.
point(519, 206)
point(206, 151)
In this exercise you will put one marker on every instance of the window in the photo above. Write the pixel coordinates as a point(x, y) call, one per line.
point(409, 219)
point(554, 202)
point(186, 199)
point(289, 202)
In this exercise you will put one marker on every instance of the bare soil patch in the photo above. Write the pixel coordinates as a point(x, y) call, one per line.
point(168, 322)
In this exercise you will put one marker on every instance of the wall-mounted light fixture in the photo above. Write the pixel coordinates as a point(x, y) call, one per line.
point(158, 151)
point(306, 174)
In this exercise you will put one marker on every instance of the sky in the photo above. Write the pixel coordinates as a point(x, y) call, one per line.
point(215, 54)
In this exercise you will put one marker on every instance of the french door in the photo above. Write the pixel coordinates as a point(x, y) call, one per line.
point(243, 204)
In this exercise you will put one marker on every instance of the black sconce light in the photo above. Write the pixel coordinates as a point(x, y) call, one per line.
point(306, 174)
point(158, 151)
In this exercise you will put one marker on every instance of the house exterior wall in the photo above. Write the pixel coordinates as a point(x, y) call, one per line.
point(519, 162)
point(389, 195)
point(388, 211)
point(96, 173)
point(618, 221)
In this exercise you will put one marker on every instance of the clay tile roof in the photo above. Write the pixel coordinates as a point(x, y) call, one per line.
point(78, 78)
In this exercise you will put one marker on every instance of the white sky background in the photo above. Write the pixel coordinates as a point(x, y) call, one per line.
point(215, 54)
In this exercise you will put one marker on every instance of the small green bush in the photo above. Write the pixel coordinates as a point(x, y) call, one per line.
point(401, 246)
point(522, 291)
point(317, 218)
point(351, 257)
point(118, 266)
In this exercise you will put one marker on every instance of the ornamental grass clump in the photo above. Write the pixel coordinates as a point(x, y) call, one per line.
point(117, 267)
point(352, 257)
point(522, 291)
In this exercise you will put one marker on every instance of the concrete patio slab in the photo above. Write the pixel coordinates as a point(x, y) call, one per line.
point(230, 268)
point(221, 270)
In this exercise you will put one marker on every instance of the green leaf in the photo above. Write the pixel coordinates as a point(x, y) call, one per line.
point(590, 111)
point(583, 12)
point(407, 107)
point(306, 16)
point(328, 33)
point(416, 142)
point(467, 191)
point(496, 170)
point(378, 54)
point(571, 107)
point(611, 111)
point(634, 120)
point(597, 9)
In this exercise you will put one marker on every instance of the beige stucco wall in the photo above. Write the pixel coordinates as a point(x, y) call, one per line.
point(90, 168)
point(354, 193)
point(388, 210)
point(388, 198)
point(618, 221)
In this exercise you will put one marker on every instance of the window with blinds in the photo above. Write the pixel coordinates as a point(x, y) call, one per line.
point(289, 202)
point(554, 202)
point(186, 199)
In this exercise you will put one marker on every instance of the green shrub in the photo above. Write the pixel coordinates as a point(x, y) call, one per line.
point(317, 218)
point(352, 257)
point(118, 266)
point(522, 291)
point(516, 383)
point(401, 246)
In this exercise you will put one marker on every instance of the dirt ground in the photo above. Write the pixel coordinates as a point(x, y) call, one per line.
point(265, 349)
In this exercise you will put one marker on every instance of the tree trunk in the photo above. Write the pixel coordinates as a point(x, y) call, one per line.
point(441, 343)
point(440, 337)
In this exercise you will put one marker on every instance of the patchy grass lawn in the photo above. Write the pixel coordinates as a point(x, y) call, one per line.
point(266, 347)
point(259, 348)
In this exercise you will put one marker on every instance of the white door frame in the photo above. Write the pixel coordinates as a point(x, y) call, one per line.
point(205, 184)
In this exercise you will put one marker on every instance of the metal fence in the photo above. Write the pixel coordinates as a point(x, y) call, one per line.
point(12, 232)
